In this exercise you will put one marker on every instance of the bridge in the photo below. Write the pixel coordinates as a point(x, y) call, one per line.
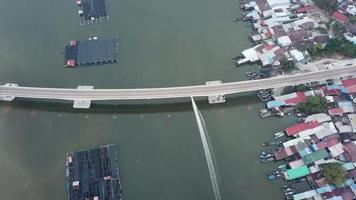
point(10, 91)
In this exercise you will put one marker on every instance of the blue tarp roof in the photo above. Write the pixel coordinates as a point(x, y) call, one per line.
point(275, 103)
point(324, 189)
point(332, 87)
point(344, 90)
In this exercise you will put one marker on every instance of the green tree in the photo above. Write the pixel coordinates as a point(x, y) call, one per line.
point(327, 5)
point(334, 173)
point(314, 104)
point(301, 88)
point(342, 46)
point(316, 50)
point(338, 28)
point(287, 65)
point(322, 30)
point(353, 19)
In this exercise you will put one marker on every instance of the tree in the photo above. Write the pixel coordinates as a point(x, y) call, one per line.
point(314, 104)
point(342, 46)
point(301, 88)
point(353, 19)
point(322, 30)
point(338, 28)
point(327, 5)
point(334, 173)
point(316, 50)
point(287, 65)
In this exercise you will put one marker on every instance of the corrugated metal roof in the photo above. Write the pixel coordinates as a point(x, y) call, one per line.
point(275, 103)
point(301, 127)
point(297, 172)
point(317, 155)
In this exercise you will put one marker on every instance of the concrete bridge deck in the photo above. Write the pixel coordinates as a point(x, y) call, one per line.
point(9, 91)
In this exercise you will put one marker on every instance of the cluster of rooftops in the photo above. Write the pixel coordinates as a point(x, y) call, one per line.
point(94, 50)
point(284, 30)
point(321, 138)
point(342, 14)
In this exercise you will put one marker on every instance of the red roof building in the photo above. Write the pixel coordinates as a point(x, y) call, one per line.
point(351, 89)
point(329, 143)
point(285, 153)
point(332, 92)
point(299, 99)
point(340, 17)
point(305, 9)
point(351, 150)
point(349, 82)
point(335, 111)
point(293, 130)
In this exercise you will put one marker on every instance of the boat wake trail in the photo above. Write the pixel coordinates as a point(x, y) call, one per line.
point(207, 150)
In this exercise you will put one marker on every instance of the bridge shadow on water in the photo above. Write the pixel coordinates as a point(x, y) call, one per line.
point(130, 107)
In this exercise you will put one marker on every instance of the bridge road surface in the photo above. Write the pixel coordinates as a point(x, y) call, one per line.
point(175, 92)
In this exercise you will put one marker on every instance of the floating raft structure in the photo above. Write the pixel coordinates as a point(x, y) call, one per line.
point(93, 51)
point(91, 11)
point(93, 174)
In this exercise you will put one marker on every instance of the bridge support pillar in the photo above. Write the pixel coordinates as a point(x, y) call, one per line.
point(83, 103)
point(216, 98)
point(8, 98)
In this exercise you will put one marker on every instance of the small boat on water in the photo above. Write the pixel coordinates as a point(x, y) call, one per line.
point(269, 155)
point(289, 189)
point(289, 193)
point(263, 153)
point(267, 160)
point(287, 186)
point(268, 143)
point(279, 134)
point(271, 177)
point(283, 167)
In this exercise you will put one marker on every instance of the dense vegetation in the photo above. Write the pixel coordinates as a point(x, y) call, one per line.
point(335, 45)
point(287, 65)
point(314, 104)
point(338, 29)
point(321, 30)
point(301, 88)
point(327, 5)
point(353, 19)
point(334, 173)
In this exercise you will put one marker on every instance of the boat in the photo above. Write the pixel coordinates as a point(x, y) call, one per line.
point(289, 189)
point(287, 186)
point(267, 160)
point(283, 167)
point(268, 143)
point(236, 19)
point(263, 153)
point(269, 155)
point(271, 176)
point(279, 134)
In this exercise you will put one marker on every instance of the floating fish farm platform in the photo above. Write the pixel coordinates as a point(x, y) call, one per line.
point(93, 174)
point(93, 51)
point(91, 11)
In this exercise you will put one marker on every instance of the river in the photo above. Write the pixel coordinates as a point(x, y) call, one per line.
point(161, 157)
